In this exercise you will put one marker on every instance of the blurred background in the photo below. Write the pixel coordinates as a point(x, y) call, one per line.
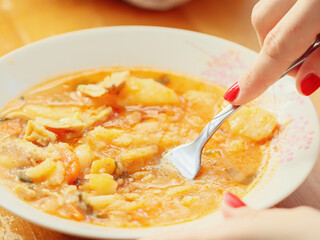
point(25, 21)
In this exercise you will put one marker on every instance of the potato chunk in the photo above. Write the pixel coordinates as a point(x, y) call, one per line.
point(37, 134)
point(100, 136)
point(187, 201)
point(104, 165)
point(134, 159)
point(254, 123)
point(100, 202)
point(41, 171)
point(102, 183)
point(147, 92)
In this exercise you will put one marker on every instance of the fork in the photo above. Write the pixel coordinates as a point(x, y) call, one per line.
point(187, 157)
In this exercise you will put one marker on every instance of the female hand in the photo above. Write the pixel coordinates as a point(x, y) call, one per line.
point(245, 223)
point(285, 29)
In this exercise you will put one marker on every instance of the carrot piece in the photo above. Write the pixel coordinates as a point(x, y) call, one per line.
point(10, 128)
point(75, 213)
point(71, 164)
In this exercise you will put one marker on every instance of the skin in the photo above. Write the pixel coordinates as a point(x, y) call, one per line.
point(245, 224)
point(285, 29)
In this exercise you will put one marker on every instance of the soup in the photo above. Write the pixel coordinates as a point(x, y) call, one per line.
point(88, 146)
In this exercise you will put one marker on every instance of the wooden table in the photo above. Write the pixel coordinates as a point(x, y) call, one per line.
point(22, 22)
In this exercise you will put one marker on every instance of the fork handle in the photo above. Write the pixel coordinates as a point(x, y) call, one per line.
point(213, 125)
point(222, 116)
point(303, 57)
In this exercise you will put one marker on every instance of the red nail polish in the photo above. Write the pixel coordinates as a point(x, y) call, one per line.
point(233, 201)
point(310, 84)
point(232, 93)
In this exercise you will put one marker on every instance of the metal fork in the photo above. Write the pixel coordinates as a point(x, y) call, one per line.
point(187, 158)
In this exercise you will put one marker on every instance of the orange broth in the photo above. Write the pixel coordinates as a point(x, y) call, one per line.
point(88, 147)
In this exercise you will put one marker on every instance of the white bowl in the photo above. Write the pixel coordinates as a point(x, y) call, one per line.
point(194, 53)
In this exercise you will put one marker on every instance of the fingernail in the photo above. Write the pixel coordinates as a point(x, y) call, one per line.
point(232, 93)
point(310, 84)
point(233, 201)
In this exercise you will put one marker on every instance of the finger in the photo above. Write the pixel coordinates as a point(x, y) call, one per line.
point(233, 206)
point(286, 42)
point(230, 212)
point(232, 200)
point(267, 13)
point(265, 16)
point(308, 77)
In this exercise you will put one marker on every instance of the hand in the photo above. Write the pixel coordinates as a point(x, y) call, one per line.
point(285, 29)
point(245, 223)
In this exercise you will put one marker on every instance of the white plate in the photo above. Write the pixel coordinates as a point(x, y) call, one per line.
point(195, 53)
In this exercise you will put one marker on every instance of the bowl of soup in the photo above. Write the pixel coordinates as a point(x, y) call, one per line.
point(87, 116)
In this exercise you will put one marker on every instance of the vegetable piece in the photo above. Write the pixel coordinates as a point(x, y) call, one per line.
point(75, 213)
point(4, 118)
point(23, 191)
point(163, 79)
point(85, 156)
point(92, 90)
point(254, 123)
point(23, 177)
point(70, 161)
point(116, 82)
point(100, 202)
point(104, 165)
point(97, 115)
point(102, 183)
point(134, 159)
point(187, 201)
point(236, 146)
point(100, 136)
point(111, 84)
point(10, 128)
point(31, 111)
point(37, 134)
point(41, 171)
point(57, 176)
point(73, 123)
point(147, 92)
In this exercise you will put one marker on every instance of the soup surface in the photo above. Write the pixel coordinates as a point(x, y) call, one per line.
point(88, 147)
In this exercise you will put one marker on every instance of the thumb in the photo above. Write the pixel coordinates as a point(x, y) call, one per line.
point(308, 77)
